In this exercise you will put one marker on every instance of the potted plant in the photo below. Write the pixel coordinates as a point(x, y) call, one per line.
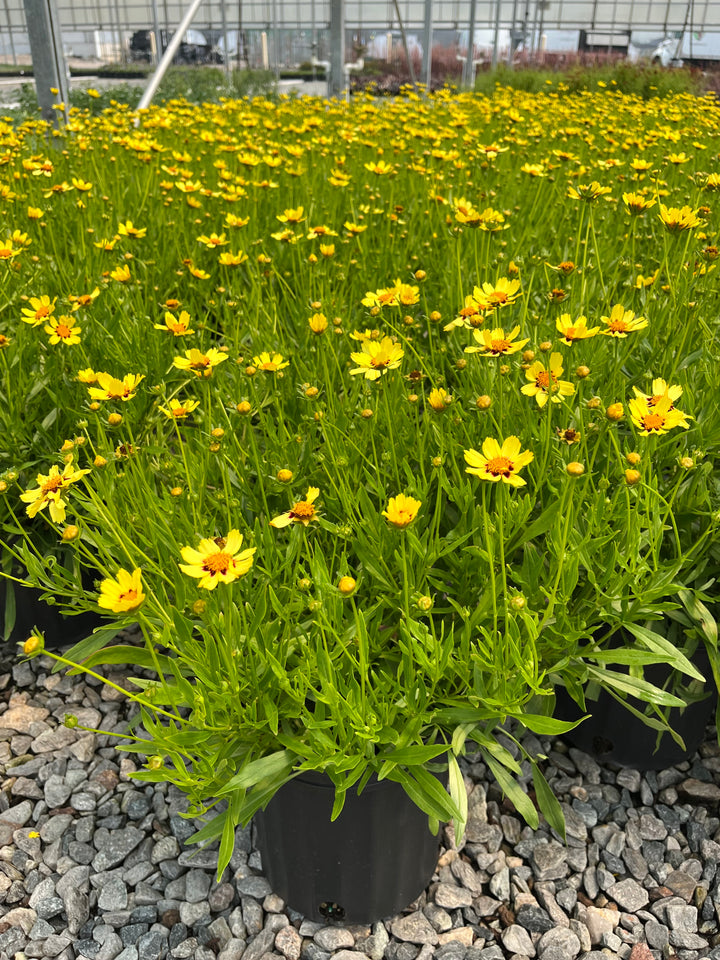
point(364, 526)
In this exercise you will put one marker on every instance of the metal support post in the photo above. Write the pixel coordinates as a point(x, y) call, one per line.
point(49, 68)
point(427, 45)
point(226, 56)
point(469, 68)
point(337, 47)
point(156, 31)
point(167, 56)
point(496, 35)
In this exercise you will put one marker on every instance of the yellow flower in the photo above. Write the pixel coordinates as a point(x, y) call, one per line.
point(270, 362)
point(110, 388)
point(35, 213)
point(217, 560)
point(495, 343)
point(127, 229)
point(346, 585)
point(87, 375)
point(214, 240)
point(381, 168)
point(121, 274)
point(49, 492)
point(354, 228)
point(230, 259)
point(377, 358)
point(574, 331)
point(500, 294)
point(61, 330)
point(499, 463)
point(292, 215)
point(318, 323)
point(39, 310)
point(83, 299)
point(621, 322)
point(401, 510)
point(660, 390)
point(545, 383)
point(636, 203)
point(301, 512)
point(588, 193)
point(179, 327)
point(177, 410)
point(676, 220)
point(439, 399)
point(656, 417)
point(200, 363)
point(82, 185)
point(122, 594)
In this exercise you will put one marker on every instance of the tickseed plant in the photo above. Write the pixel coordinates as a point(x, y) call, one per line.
point(380, 420)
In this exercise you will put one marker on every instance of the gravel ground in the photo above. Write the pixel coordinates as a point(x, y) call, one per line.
point(93, 866)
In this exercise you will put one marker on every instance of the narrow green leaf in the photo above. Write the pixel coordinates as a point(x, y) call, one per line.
point(261, 769)
point(547, 801)
point(459, 795)
point(512, 790)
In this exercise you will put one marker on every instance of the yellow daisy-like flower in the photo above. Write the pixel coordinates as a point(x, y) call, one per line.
point(656, 417)
point(49, 492)
point(380, 169)
point(271, 362)
point(677, 220)
point(217, 560)
point(292, 215)
point(660, 390)
point(355, 228)
point(588, 192)
point(401, 510)
point(121, 274)
point(230, 259)
point(178, 411)
point(636, 204)
point(499, 463)
point(621, 322)
point(377, 358)
point(301, 512)
point(111, 388)
point(496, 343)
point(128, 229)
point(546, 382)
point(87, 375)
point(439, 399)
point(83, 299)
point(61, 330)
point(39, 310)
point(471, 315)
point(122, 594)
point(466, 213)
point(318, 323)
point(178, 326)
point(200, 363)
point(7, 250)
point(502, 293)
point(571, 332)
point(214, 240)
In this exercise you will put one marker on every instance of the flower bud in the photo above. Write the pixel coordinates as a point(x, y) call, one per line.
point(115, 419)
point(582, 372)
point(71, 532)
point(3, 486)
point(366, 413)
point(575, 469)
point(199, 607)
point(311, 392)
point(420, 274)
point(687, 463)
point(632, 477)
point(99, 461)
point(250, 371)
point(346, 585)
point(243, 407)
point(633, 459)
point(483, 402)
point(517, 603)
point(614, 411)
point(34, 644)
point(528, 356)
point(154, 763)
point(70, 721)
point(425, 603)
point(304, 583)
point(436, 316)
point(176, 491)
point(546, 346)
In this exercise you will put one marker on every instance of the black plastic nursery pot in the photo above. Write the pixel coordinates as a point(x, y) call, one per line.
point(613, 733)
point(374, 860)
point(32, 613)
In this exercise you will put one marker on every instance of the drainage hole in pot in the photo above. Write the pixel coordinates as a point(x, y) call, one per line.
point(330, 910)
point(602, 746)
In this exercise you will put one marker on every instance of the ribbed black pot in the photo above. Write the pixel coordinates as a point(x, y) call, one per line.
point(613, 733)
point(375, 859)
point(33, 613)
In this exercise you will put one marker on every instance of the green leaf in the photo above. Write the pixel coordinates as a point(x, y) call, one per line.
point(673, 656)
point(90, 645)
point(416, 754)
point(548, 726)
point(431, 798)
point(459, 795)
point(272, 765)
point(547, 801)
point(512, 790)
point(634, 686)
